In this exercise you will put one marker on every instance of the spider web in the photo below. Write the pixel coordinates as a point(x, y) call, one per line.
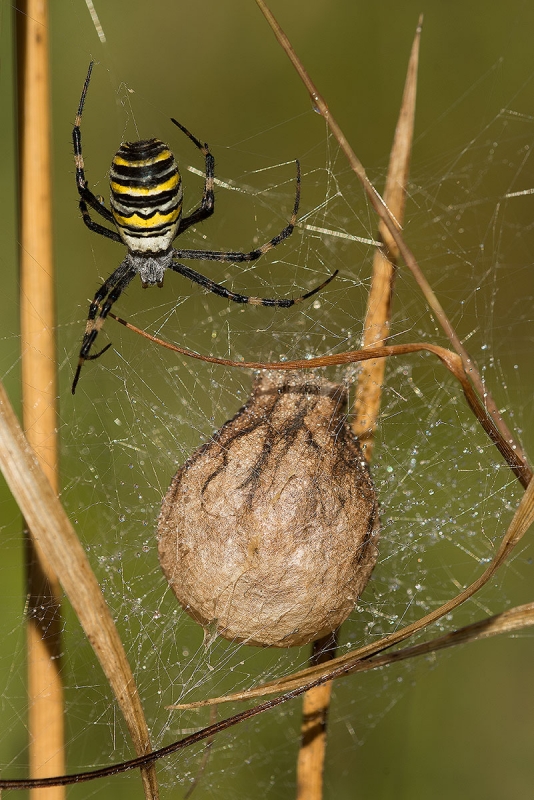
point(446, 497)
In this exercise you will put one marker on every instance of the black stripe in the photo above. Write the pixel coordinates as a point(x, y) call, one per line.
point(145, 182)
point(147, 216)
point(150, 201)
point(143, 172)
point(143, 233)
point(146, 148)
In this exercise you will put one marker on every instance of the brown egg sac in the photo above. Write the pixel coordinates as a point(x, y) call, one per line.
point(268, 533)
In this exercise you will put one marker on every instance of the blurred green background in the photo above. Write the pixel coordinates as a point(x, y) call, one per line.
point(460, 726)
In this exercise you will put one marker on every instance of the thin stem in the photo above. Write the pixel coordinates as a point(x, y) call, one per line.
point(39, 387)
point(50, 525)
point(310, 764)
point(313, 729)
point(452, 361)
point(377, 319)
point(511, 620)
point(355, 660)
point(393, 228)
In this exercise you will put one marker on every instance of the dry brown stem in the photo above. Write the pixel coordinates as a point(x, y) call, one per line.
point(50, 525)
point(39, 388)
point(49, 545)
point(507, 622)
point(367, 399)
point(377, 318)
point(511, 620)
point(313, 731)
point(358, 660)
point(450, 360)
point(393, 228)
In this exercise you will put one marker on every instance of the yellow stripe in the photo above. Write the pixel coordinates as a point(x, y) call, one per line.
point(141, 191)
point(135, 221)
point(143, 162)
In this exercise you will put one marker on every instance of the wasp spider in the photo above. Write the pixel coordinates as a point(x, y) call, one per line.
point(146, 210)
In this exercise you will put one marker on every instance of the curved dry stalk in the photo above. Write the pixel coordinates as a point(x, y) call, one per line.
point(514, 619)
point(50, 525)
point(392, 227)
point(520, 523)
point(355, 659)
point(509, 621)
point(452, 361)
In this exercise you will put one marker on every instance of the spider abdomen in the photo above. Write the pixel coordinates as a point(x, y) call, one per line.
point(146, 195)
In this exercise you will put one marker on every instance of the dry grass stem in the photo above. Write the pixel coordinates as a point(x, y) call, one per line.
point(393, 228)
point(367, 399)
point(510, 621)
point(377, 319)
point(313, 731)
point(452, 361)
point(51, 527)
point(507, 622)
point(39, 388)
point(358, 660)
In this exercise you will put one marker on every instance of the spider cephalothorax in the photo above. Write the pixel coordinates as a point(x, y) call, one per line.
point(146, 210)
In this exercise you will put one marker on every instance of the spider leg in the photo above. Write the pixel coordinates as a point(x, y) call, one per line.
point(96, 204)
point(112, 288)
point(222, 291)
point(207, 204)
point(86, 195)
point(95, 226)
point(253, 255)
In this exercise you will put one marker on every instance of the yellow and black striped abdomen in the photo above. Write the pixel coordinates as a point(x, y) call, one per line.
point(146, 195)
